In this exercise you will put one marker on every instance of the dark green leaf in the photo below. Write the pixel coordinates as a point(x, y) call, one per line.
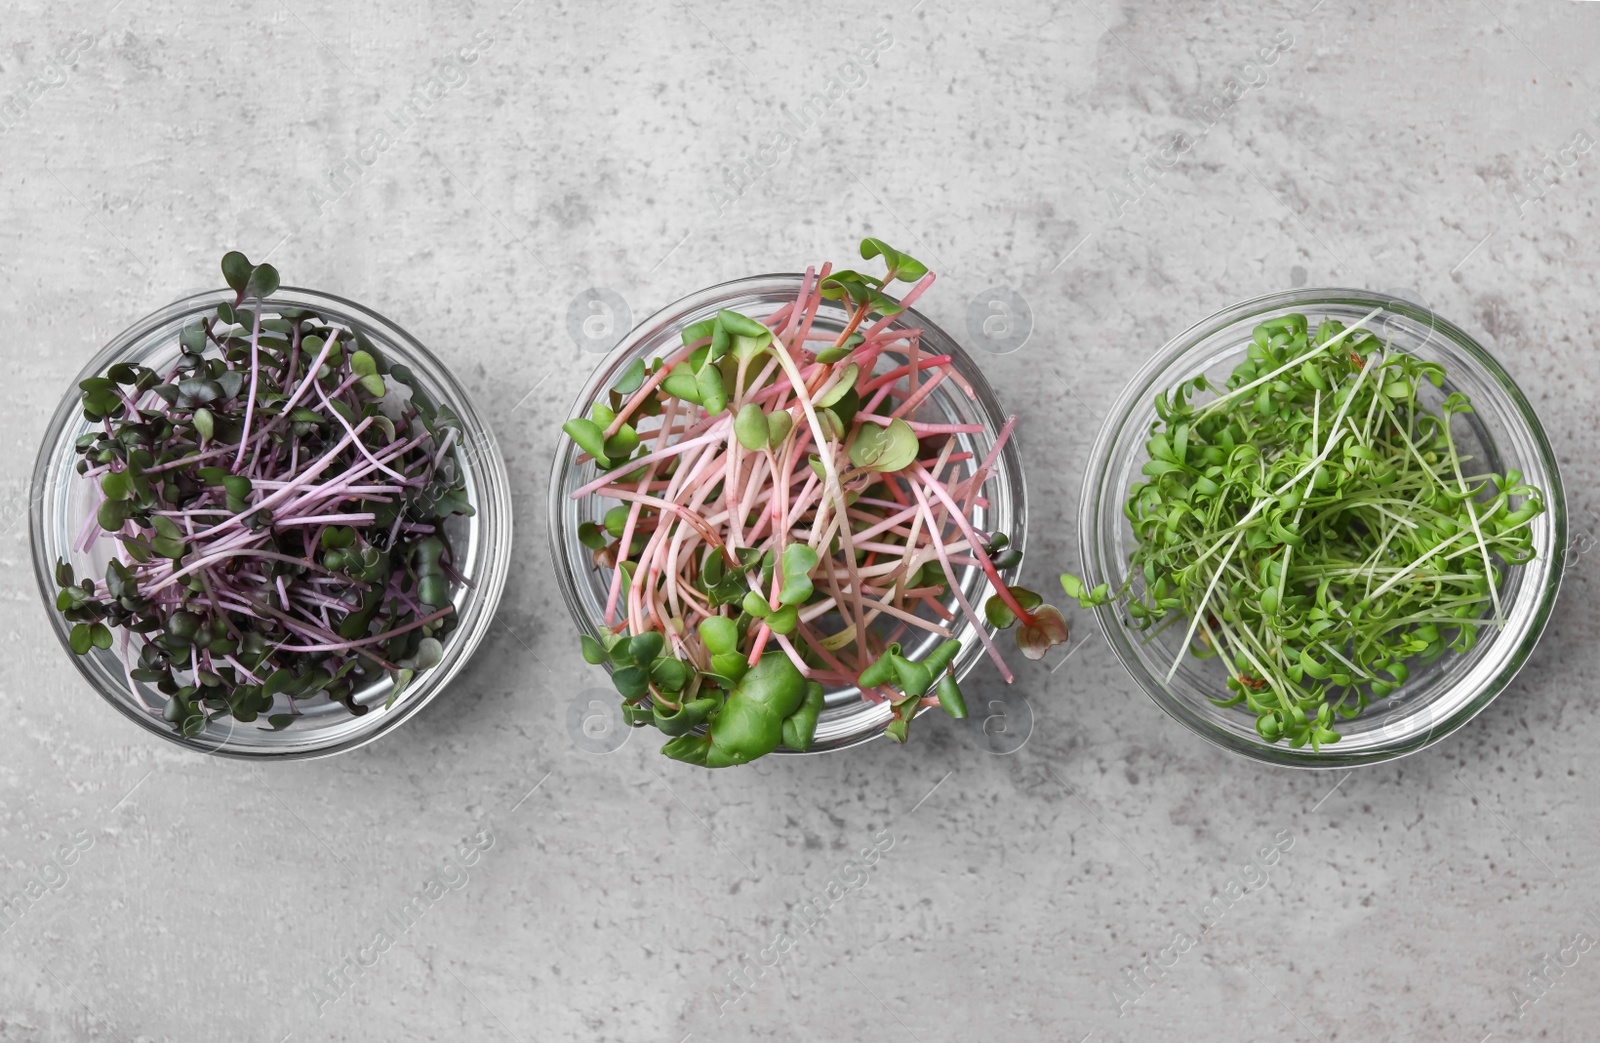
point(236, 269)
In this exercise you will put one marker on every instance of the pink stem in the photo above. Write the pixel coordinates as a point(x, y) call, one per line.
point(961, 598)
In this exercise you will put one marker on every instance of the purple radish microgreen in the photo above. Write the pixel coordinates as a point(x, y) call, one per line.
point(277, 515)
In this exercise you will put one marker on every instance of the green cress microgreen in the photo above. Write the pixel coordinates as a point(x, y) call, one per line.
point(787, 519)
point(1316, 526)
point(277, 516)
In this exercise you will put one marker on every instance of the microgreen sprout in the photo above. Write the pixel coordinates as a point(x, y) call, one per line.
point(276, 498)
point(784, 522)
point(1315, 526)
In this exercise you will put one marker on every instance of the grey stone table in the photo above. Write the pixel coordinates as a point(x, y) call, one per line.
point(1124, 170)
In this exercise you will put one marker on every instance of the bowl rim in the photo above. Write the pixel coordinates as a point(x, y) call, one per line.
point(1120, 414)
point(494, 481)
point(672, 315)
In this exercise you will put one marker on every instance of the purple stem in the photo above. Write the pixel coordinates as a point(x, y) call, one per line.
point(255, 375)
point(345, 646)
point(359, 444)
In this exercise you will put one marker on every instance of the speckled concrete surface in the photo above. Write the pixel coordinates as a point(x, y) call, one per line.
point(616, 896)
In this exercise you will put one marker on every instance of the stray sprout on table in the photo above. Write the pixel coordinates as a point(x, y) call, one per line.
point(1317, 525)
point(784, 520)
point(277, 498)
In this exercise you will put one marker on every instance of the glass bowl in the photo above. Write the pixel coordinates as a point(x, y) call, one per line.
point(1502, 433)
point(62, 501)
point(848, 719)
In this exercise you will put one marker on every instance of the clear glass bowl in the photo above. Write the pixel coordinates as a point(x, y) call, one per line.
point(62, 501)
point(1502, 433)
point(848, 719)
